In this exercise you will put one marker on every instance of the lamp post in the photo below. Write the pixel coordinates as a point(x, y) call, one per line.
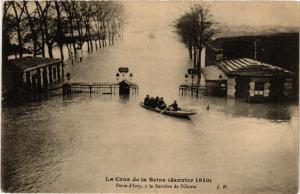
point(68, 77)
point(67, 87)
point(117, 76)
point(262, 55)
point(192, 84)
point(130, 75)
point(220, 82)
point(71, 56)
point(186, 78)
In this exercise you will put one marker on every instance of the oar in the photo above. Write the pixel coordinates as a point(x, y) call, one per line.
point(164, 110)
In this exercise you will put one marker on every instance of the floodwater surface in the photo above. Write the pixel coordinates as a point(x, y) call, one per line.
point(73, 144)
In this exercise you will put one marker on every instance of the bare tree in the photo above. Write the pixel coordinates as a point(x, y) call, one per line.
point(43, 16)
point(19, 25)
point(59, 28)
point(6, 30)
point(32, 22)
point(86, 10)
point(48, 23)
point(187, 31)
point(196, 28)
point(69, 12)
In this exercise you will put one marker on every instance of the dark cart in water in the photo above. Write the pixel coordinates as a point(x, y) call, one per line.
point(179, 113)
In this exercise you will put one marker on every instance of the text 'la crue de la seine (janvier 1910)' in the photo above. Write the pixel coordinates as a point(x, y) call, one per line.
point(157, 183)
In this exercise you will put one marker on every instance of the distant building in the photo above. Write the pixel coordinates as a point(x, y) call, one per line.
point(280, 49)
point(31, 75)
point(249, 79)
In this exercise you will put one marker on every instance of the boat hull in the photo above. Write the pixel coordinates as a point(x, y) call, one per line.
point(179, 113)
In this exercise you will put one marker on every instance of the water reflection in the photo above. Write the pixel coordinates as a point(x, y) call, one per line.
point(277, 112)
point(124, 98)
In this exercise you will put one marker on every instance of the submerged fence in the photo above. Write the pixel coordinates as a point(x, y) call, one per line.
point(193, 90)
point(95, 88)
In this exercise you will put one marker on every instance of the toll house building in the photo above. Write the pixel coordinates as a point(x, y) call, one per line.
point(33, 74)
point(249, 79)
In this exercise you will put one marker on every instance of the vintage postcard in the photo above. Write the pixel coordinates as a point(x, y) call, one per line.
point(150, 96)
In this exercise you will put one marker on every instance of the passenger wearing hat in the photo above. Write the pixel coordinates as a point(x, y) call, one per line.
point(161, 104)
point(146, 100)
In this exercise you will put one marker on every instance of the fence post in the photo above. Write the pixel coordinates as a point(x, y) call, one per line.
point(90, 89)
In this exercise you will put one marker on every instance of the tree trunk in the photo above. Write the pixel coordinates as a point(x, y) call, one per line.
point(20, 42)
point(199, 71)
point(91, 40)
point(195, 57)
point(5, 42)
point(99, 40)
point(50, 50)
point(79, 29)
point(199, 58)
point(87, 38)
point(18, 28)
point(59, 28)
point(34, 47)
point(104, 34)
point(113, 38)
point(99, 33)
point(108, 33)
point(61, 47)
point(43, 43)
point(96, 44)
point(72, 36)
point(119, 32)
point(190, 52)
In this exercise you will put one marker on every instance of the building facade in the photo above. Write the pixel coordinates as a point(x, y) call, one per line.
point(277, 49)
point(31, 75)
point(252, 80)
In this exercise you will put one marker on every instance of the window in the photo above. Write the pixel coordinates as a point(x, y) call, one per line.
point(219, 57)
point(259, 88)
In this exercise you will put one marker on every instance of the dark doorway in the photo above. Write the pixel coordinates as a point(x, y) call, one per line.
point(276, 88)
point(242, 87)
point(124, 88)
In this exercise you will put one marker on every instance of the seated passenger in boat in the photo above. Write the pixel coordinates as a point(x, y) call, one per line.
point(174, 106)
point(161, 104)
point(146, 100)
point(156, 101)
point(152, 102)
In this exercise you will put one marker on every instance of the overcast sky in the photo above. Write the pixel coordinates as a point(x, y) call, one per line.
point(231, 13)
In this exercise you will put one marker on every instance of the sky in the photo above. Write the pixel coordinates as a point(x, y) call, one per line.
point(231, 13)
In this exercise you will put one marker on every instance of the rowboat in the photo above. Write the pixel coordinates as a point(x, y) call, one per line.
point(179, 113)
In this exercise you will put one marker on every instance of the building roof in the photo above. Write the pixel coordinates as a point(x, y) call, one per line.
point(213, 73)
point(246, 66)
point(30, 63)
point(218, 41)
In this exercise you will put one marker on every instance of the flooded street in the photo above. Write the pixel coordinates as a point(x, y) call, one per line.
point(73, 144)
